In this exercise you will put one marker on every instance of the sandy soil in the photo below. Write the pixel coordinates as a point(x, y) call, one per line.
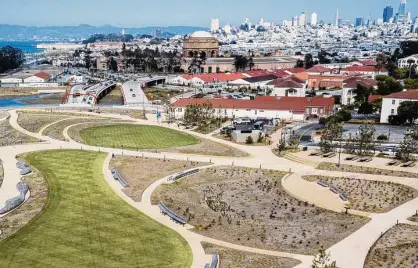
point(250, 207)
point(397, 248)
point(229, 258)
point(414, 218)
point(208, 147)
point(15, 220)
point(34, 122)
point(10, 136)
point(370, 196)
point(140, 173)
point(366, 170)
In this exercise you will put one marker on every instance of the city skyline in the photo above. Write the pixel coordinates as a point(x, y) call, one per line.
point(133, 14)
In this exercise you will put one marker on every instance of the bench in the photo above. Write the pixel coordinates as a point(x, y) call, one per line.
point(26, 171)
point(394, 163)
point(315, 154)
point(322, 183)
point(334, 190)
point(183, 174)
point(408, 164)
point(21, 165)
point(365, 159)
point(329, 155)
point(215, 261)
point(118, 177)
point(171, 214)
point(352, 158)
point(343, 197)
point(15, 201)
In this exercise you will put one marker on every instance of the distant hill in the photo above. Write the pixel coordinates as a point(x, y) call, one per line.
point(83, 31)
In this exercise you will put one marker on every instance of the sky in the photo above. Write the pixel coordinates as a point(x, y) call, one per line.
point(139, 13)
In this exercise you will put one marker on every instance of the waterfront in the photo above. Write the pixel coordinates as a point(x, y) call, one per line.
point(28, 47)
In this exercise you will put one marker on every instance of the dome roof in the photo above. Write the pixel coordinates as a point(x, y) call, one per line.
point(201, 34)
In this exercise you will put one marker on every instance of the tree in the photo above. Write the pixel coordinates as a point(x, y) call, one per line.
point(323, 57)
point(389, 86)
point(299, 64)
point(365, 108)
point(366, 139)
point(362, 93)
point(112, 64)
point(323, 260)
point(407, 148)
point(308, 63)
point(410, 83)
point(331, 132)
point(409, 111)
point(251, 63)
point(240, 63)
point(408, 48)
point(10, 58)
point(401, 73)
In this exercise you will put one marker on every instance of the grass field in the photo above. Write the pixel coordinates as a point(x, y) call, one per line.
point(85, 223)
point(136, 137)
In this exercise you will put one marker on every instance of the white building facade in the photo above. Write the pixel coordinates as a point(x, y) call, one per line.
point(391, 103)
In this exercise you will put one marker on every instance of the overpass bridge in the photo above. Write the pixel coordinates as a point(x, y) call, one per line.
point(133, 93)
point(88, 94)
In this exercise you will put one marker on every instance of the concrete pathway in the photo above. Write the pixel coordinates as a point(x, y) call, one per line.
point(349, 253)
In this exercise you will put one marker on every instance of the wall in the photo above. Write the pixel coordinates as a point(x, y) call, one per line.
point(387, 106)
point(239, 137)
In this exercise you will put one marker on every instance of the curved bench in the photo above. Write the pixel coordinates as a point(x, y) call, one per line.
point(215, 261)
point(118, 177)
point(171, 214)
point(183, 174)
point(15, 201)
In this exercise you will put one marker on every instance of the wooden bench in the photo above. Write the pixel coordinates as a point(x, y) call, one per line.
point(315, 154)
point(183, 174)
point(365, 159)
point(394, 163)
point(329, 155)
point(322, 183)
point(408, 164)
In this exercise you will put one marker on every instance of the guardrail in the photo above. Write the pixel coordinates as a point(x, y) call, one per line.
point(118, 177)
point(171, 214)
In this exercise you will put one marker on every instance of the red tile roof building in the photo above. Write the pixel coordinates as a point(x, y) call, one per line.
point(271, 107)
point(391, 103)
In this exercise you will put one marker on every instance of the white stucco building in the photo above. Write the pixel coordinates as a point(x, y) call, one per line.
point(391, 103)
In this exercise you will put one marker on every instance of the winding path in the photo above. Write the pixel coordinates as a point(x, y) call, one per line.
point(349, 253)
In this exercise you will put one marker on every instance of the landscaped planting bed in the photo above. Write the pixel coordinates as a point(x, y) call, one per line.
point(229, 258)
point(34, 122)
point(414, 218)
point(250, 207)
point(18, 218)
point(397, 248)
point(10, 136)
point(56, 130)
point(140, 172)
point(370, 196)
point(366, 170)
point(86, 224)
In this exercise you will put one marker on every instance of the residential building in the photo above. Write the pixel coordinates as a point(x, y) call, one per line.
point(407, 61)
point(287, 87)
point(350, 85)
point(284, 108)
point(391, 103)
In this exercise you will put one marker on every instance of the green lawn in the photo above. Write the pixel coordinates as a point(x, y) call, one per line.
point(85, 223)
point(136, 137)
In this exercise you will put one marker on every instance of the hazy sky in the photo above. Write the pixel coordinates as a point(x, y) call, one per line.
point(136, 13)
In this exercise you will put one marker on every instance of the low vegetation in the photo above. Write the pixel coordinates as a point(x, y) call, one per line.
point(10, 136)
point(141, 172)
point(366, 170)
point(34, 122)
point(250, 207)
point(397, 248)
point(229, 258)
point(370, 196)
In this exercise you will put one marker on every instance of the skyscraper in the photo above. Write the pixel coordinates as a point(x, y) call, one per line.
point(359, 22)
point(402, 8)
point(387, 13)
point(302, 19)
point(314, 19)
point(337, 18)
point(214, 25)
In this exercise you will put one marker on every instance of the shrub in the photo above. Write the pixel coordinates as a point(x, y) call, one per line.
point(249, 140)
point(382, 137)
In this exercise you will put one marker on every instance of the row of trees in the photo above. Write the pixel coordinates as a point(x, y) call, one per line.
point(112, 37)
point(364, 142)
point(10, 58)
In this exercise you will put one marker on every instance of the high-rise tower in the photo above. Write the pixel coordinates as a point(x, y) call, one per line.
point(314, 19)
point(402, 8)
point(387, 13)
point(337, 18)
